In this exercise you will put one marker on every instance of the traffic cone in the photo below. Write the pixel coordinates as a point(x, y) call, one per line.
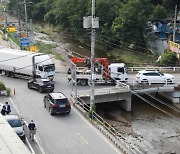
point(14, 92)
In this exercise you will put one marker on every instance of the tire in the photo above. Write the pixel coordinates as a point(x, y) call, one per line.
point(7, 73)
point(83, 82)
point(29, 86)
point(40, 89)
point(12, 74)
point(68, 112)
point(44, 104)
point(50, 111)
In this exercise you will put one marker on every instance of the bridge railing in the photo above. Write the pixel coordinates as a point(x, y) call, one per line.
point(161, 69)
point(97, 120)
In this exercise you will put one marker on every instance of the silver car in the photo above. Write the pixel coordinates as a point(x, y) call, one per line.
point(17, 124)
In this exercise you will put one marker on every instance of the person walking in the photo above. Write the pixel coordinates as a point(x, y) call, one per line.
point(32, 129)
point(4, 111)
point(8, 108)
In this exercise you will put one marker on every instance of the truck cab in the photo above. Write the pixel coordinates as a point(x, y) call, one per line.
point(118, 71)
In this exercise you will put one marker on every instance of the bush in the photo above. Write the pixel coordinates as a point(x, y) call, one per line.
point(168, 58)
point(8, 91)
point(2, 86)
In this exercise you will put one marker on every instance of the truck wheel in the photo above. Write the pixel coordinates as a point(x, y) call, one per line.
point(7, 73)
point(83, 82)
point(29, 86)
point(12, 74)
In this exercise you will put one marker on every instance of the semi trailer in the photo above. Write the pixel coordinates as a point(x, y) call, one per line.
point(20, 63)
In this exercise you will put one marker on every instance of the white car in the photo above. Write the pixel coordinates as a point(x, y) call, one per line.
point(153, 76)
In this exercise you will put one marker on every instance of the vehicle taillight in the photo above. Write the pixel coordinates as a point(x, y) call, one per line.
point(68, 104)
point(54, 105)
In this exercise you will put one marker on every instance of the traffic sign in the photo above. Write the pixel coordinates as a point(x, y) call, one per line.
point(24, 42)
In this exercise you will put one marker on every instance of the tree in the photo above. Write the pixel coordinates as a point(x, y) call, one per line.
point(159, 12)
point(168, 58)
point(131, 20)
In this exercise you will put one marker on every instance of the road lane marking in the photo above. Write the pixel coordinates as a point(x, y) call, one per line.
point(97, 131)
point(82, 138)
point(32, 150)
point(14, 106)
point(40, 147)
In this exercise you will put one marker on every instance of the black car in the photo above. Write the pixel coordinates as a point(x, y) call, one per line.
point(41, 85)
point(17, 124)
point(57, 103)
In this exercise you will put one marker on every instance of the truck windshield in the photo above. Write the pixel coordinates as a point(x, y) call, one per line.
point(49, 68)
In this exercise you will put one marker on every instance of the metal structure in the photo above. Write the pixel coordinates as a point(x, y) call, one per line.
point(25, 13)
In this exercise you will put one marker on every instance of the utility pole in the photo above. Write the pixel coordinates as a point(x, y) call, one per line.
point(93, 32)
point(175, 18)
point(25, 13)
point(19, 18)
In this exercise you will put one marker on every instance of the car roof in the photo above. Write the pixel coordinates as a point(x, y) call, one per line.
point(11, 116)
point(147, 71)
point(58, 95)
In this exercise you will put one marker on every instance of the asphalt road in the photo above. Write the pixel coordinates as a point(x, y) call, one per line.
point(60, 134)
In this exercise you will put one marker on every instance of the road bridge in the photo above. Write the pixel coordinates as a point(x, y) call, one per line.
point(122, 94)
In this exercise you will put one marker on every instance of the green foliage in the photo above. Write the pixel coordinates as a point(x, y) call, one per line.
point(159, 12)
point(131, 20)
point(58, 56)
point(2, 86)
point(8, 91)
point(168, 58)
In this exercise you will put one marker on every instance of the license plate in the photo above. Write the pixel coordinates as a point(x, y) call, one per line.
point(48, 86)
point(62, 105)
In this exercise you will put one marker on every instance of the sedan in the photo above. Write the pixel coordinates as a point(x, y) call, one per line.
point(17, 124)
point(41, 85)
point(153, 76)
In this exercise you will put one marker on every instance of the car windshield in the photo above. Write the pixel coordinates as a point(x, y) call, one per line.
point(49, 68)
point(15, 123)
point(61, 101)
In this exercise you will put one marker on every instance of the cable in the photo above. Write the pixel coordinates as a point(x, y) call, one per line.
point(127, 44)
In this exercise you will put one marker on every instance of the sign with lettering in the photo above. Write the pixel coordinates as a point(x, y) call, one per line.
point(175, 47)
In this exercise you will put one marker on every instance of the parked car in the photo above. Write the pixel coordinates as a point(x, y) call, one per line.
point(41, 85)
point(153, 76)
point(57, 102)
point(17, 124)
point(1, 106)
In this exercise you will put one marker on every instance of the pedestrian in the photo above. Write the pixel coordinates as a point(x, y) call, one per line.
point(8, 108)
point(32, 129)
point(4, 111)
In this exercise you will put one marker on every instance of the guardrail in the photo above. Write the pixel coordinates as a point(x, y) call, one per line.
point(116, 89)
point(162, 69)
point(112, 133)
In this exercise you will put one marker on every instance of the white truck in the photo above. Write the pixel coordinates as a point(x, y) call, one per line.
point(104, 72)
point(19, 63)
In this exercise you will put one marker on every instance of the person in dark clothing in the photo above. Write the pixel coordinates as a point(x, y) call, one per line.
point(32, 129)
point(4, 111)
point(8, 108)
